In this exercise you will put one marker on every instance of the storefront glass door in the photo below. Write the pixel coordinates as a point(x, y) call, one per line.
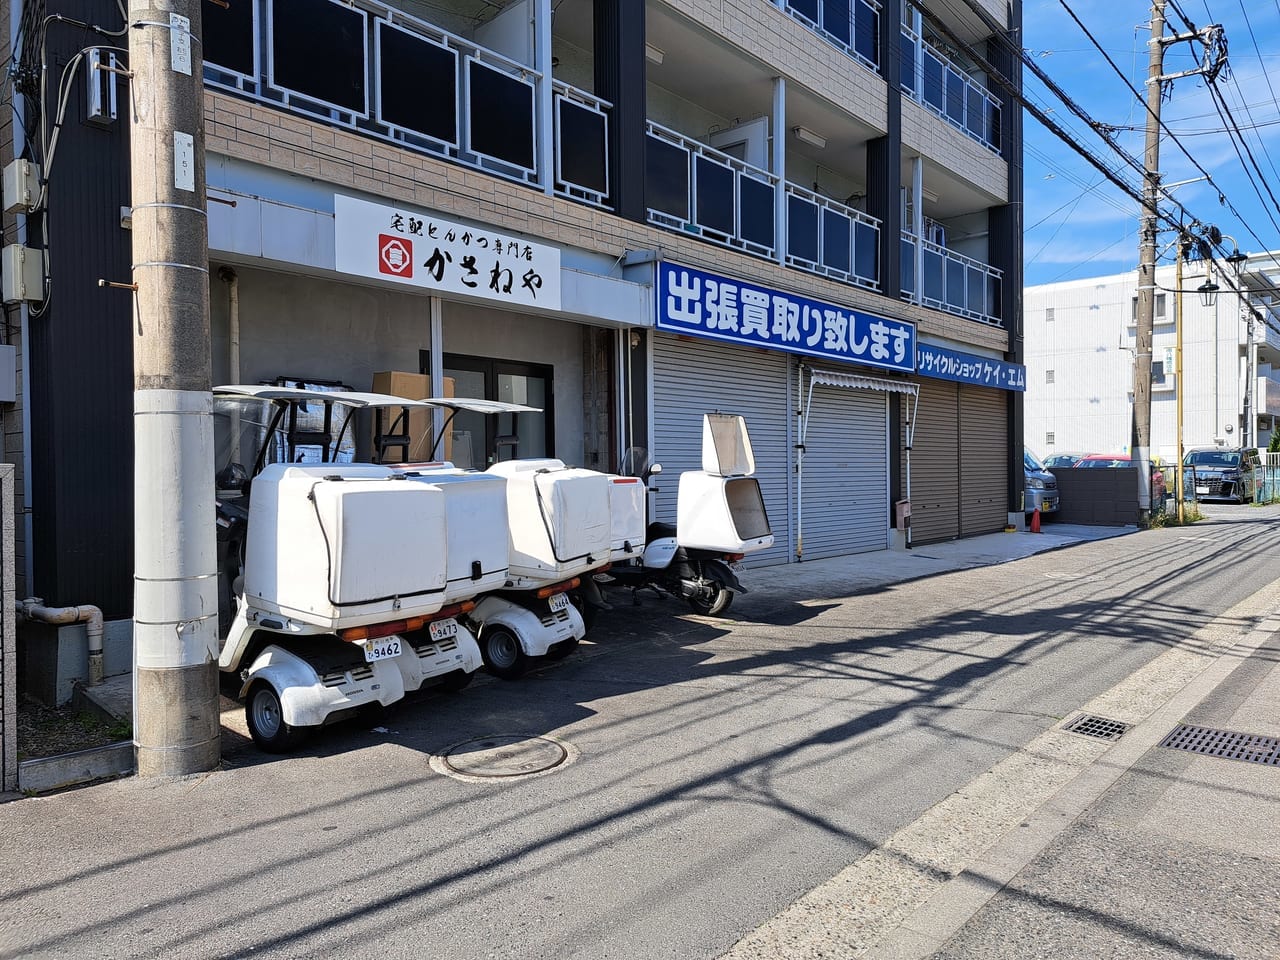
point(480, 441)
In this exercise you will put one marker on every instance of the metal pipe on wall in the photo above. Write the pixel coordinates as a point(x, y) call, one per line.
point(33, 608)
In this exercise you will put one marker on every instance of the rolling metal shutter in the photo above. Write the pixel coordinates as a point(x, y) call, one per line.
point(984, 452)
point(846, 474)
point(935, 464)
point(693, 377)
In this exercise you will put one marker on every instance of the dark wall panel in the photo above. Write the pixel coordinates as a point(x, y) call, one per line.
point(82, 356)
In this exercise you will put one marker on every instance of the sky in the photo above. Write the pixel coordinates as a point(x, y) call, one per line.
point(1080, 225)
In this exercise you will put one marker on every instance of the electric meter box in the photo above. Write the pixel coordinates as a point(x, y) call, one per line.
point(559, 519)
point(23, 273)
point(21, 186)
point(476, 511)
point(343, 545)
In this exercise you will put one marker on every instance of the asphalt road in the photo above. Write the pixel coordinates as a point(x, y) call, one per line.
point(720, 769)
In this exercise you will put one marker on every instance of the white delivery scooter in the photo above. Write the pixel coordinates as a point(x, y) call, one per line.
point(563, 524)
point(720, 517)
point(345, 600)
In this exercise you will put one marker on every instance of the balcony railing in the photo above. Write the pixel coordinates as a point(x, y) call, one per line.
point(852, 25)
point(952, 282)
point(827, 237)
point(931, 80)
point(693, 188)
point(387, 74)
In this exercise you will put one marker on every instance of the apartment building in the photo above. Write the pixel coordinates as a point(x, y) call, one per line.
point(1081, 336)
point(622, 212)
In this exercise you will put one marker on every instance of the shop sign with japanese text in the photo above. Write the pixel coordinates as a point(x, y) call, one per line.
point(943, 364)
point(702, 304)
point(443, 256)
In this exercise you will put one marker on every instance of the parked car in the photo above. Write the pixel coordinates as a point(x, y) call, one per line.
point(1060, 461)
point(1109, 460)
point(1040, 487)
point(1215, 473)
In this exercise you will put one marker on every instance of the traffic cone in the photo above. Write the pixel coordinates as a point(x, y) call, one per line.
point(1035, 521)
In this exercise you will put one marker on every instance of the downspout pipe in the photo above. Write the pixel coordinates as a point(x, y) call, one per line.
point(33, 608)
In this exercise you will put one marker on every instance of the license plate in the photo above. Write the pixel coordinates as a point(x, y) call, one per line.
point(443, 629)
point(559, 601)
point(1203, 491)
point(384, 648)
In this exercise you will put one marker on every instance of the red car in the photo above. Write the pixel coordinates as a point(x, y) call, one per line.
point(1102, 460)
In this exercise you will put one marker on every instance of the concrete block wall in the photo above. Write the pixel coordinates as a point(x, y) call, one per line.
point(1099, 497)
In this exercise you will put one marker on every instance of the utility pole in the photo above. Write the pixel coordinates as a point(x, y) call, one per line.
point(1184, 243)
point(176, 728)
point(1141, 442)
point(1214, 59)
point(1248, 426)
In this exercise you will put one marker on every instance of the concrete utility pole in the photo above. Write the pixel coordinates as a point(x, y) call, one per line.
point(1141, 445)
point(1249, 420)
point(176, 729)
point(1214, 59)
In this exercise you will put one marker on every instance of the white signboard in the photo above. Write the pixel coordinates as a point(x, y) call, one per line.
point(443, 256)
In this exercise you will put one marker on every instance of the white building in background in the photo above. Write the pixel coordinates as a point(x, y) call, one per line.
point(1080, 340)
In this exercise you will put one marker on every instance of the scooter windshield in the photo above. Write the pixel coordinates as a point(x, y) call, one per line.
point(635, 462)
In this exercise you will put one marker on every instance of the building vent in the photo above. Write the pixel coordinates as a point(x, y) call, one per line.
point(1048, 376)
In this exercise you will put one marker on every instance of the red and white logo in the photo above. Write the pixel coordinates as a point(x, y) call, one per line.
point(395, 255)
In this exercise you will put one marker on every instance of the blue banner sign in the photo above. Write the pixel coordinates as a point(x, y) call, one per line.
point(701, 304)
point(943, 364)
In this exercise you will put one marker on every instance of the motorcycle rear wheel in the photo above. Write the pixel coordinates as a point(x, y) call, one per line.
point(712, 603)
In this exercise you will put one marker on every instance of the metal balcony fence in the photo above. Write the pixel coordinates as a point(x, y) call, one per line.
point(935, 83)
point(693, 188)
point(951, 281)
point(852, 25)
point(696, 189)
point(387, 74)
point(831, 239)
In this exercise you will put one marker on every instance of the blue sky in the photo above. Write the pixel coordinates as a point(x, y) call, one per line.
point(1077, 223)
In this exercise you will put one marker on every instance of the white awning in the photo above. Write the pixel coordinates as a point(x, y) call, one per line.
point(853, 381)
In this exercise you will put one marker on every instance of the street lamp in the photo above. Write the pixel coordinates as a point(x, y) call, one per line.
point(1208, 294)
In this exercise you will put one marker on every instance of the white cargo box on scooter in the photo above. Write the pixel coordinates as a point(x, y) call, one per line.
point(476, 507)
point(559, 519)
point(720, 507)
point(627, 517)
point(343, 545)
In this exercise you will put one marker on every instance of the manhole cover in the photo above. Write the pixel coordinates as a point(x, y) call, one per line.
point(504, 757)
point(1225, 743)
point(1100, 727)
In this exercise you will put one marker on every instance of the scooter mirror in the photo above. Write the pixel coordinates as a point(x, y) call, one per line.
point(655, 469)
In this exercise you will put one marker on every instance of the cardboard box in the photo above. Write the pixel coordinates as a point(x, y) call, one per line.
point(415, 386)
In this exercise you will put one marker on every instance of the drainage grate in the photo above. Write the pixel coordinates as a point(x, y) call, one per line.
point(1100, 727)
point(1225, 743)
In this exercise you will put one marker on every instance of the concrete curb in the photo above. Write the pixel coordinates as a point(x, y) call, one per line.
point(69, 769)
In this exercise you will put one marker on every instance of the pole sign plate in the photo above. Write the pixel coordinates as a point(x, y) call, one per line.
point(701, 304)
point(943, 364)
point(443, 256)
